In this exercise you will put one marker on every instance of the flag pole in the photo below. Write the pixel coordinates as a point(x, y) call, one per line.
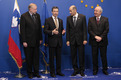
point(46, 65)
point(13, 49)
point(20, 75)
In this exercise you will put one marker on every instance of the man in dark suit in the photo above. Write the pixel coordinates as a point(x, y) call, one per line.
point(98, 27)
point(30, 28)
point(76, 37)
point(54, 29)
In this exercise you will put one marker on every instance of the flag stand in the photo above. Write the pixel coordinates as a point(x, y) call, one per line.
point(20, 75)
point(46, 71)
point(46, 65)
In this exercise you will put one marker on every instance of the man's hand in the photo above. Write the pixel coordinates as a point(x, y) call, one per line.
point(98, 38)
point(84, 42)
point(63, 32)
point(55, 31)
point(68, 43)
point(25, 44)
point(40, 41)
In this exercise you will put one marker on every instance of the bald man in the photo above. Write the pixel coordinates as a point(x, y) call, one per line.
point(76, 37)
point(31, 34)
point(98, 27)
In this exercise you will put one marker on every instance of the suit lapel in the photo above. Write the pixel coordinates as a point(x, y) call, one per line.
point(78, 18)
point(30, 18)
point(59, 23)
point(72, 20)
point(101, 19)
point(95, 21)
point(52, 21)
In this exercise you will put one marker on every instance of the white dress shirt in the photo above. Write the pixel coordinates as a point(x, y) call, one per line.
point(98, 17)
point(75, 16)
point(57, 20)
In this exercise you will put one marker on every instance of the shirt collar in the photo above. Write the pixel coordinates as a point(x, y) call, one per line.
point(98, 17)
point(30, 13)
point(76, 15)
point(54, 17)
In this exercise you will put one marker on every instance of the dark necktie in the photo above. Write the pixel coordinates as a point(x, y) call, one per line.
point(74, 21)
point(98, 20)
point(34, 18)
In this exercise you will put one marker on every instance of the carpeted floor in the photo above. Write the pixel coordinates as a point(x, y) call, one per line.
point(114, 74)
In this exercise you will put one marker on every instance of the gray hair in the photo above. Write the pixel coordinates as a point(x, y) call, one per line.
point(30, 5)
point(100, 8)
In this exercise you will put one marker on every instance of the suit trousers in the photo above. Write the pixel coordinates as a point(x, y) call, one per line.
point(32, 59)
point(103, 54)
point(81, 55)
point(52, 52)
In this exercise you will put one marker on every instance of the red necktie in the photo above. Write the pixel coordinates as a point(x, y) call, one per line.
point(98, 20)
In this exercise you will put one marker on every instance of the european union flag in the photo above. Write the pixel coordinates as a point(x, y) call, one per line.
point(43, 48)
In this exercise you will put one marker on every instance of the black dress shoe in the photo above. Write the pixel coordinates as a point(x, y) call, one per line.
point(60, 74)
point(30, 76)
point(105, 72)
point(95, 72)
point(74, 73)
point(52, 75)
point(37, 75)
point(82, 74)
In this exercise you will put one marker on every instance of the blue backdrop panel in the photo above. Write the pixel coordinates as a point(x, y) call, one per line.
point(111, 9)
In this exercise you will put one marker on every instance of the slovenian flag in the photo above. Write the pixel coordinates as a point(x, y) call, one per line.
point(14, 37)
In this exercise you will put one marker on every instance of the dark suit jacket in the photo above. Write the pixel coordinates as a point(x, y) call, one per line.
point(30, 31)
point(53, 40)
point(77, 33)
point(100, 29)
